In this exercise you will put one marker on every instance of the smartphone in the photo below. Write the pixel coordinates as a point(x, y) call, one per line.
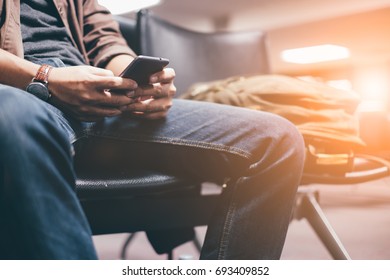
point(142, 67)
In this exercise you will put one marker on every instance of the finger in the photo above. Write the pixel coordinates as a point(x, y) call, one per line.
point(123, 92)
point(149, 90)
point(157, 105)
point(104, 79)
point(156, 90)
point(169, 89)
point(101, 72)
point(150, 106)
point(110, 99)
point(101, 98)
point(165, 76)
point(125, 82)
point(114, 83)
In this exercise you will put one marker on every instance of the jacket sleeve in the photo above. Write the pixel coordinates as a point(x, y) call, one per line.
point(102, 38)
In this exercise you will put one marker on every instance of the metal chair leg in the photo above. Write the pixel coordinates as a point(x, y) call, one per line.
point(126, 245)
point(128, 240)
point(307, 207)
point(197, 242)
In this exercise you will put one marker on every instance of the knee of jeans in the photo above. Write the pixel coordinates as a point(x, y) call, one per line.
point(24, 119)
point(288, 138)
point(277, 139)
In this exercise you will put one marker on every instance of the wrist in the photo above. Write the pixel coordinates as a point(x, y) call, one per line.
point(39, 84)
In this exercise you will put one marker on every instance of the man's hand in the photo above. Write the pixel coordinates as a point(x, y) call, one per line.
point(82, 91)
point(153, 101)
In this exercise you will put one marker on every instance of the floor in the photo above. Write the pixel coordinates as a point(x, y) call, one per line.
point(360, 215)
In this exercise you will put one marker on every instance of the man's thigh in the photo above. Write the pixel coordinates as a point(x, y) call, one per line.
point(197, 138)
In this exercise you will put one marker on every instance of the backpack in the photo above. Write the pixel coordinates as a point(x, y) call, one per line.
point(324, 115)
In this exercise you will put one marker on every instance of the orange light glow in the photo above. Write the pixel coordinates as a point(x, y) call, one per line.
point(315, 54)
point(343, 84)
point(373, 87)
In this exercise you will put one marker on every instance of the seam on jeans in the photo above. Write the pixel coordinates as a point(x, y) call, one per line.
point(63, 122)
point(223, 243)
point(180, 141)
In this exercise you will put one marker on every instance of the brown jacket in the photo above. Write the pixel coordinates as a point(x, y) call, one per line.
point(89, 25)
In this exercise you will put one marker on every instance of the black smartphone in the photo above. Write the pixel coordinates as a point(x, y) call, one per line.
point(142, 67)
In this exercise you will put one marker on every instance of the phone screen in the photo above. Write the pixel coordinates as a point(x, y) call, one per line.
point(142, 67)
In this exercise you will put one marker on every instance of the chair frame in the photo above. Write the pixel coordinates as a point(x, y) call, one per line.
point(196, 208)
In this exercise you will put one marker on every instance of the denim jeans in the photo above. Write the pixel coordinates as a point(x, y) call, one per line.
point(260, 155)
